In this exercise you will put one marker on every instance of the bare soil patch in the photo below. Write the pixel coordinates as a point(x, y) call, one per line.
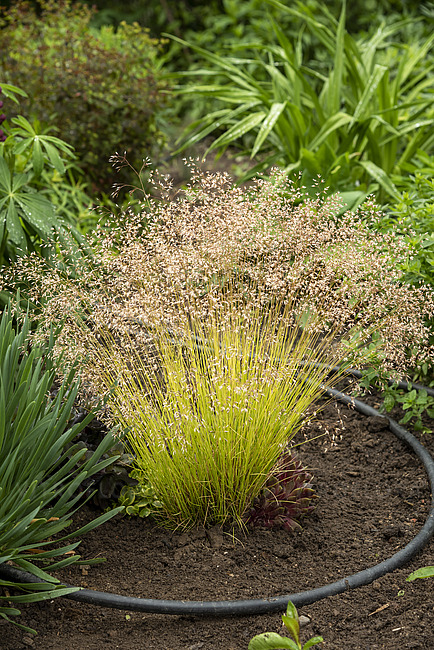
point(373, 499)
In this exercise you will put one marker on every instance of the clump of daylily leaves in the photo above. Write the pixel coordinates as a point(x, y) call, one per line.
point(273, 641)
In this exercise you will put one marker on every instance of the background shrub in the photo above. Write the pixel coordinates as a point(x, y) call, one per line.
point(99, 88)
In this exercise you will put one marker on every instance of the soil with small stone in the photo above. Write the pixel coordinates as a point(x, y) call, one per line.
point(374, 497)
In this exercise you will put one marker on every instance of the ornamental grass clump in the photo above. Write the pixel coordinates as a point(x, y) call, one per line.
point(211, 408)
point(210, 319)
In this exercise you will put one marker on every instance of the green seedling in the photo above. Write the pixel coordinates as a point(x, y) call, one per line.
point(270, 640)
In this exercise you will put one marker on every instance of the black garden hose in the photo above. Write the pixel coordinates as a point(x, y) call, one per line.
point(278, 603)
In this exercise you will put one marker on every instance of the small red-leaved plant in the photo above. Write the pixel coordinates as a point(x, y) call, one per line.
point(287, 497)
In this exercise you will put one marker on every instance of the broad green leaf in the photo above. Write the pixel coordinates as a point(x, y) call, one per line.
point(239, 129)
point(10, 91)
point(51, 140)
point(370, 88)
point(38, 211)
point(37, 157)
point(225, 116)
point(267, 126)
point(272, 641)
point(424, 572)
point(333, 123)
point(313, 641)
point(220, 62)
point(15, 229)
point(381, 177)
point(351, 200)
point(19, 180)
point(293, 626)
point(5, 176)
point(291, 611)
point(22, 146)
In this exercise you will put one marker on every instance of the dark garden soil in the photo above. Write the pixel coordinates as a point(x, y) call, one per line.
point(373, 499)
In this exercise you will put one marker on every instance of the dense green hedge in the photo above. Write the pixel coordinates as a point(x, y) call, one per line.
point(101, 89)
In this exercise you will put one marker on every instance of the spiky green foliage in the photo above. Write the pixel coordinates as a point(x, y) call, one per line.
point(38, 477)
point(355, 118)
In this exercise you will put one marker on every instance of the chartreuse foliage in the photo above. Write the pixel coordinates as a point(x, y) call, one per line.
point(38, 476)
point(210, 410)
point(271, 640)
point(355, 120)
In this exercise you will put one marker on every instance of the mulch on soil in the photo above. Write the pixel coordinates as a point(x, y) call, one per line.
point(373, 499)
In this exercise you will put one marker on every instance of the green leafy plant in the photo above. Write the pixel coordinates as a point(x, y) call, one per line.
point(355, 120)
point(139, 499)
point(39, 477)
point(101, 89)
point(424, 572)
point(414, 402)
point(32, 213)
point(270, 640)
point(413, 218)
